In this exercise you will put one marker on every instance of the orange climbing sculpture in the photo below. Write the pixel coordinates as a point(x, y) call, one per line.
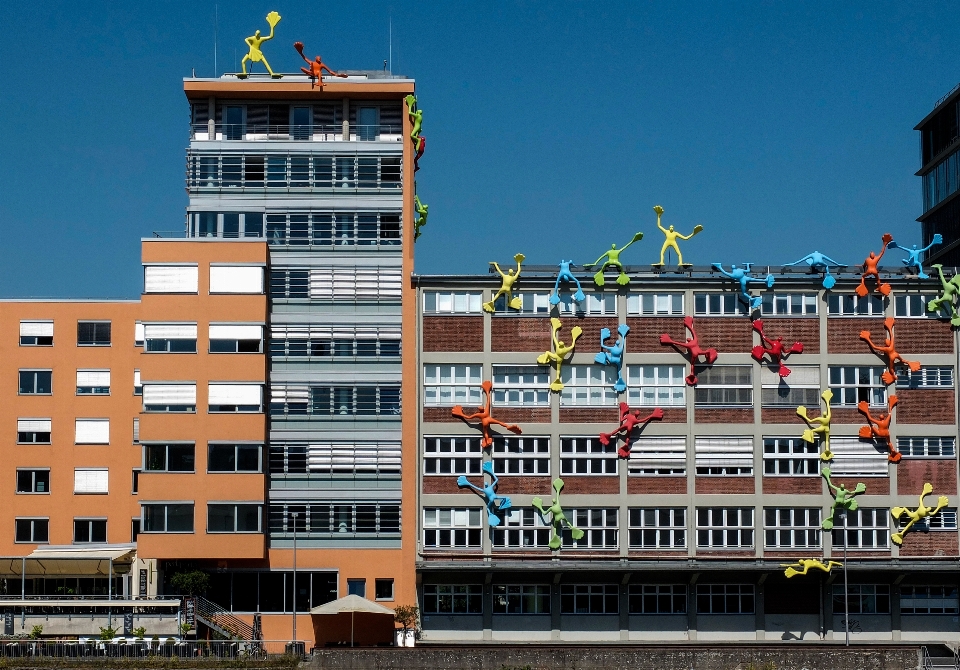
point(878, 427)
point(888, 350)
point(871, 269)
point(317, 66)
point(483, 416)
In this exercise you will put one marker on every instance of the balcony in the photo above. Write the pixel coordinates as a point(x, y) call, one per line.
point(245, 132)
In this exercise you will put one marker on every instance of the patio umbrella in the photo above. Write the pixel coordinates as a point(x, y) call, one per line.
point(351, 604)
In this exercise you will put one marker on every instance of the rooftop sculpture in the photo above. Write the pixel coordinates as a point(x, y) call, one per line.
point(254, 42)
point(566, 276)
point(629, 419)
point(819, 426)
point(694, 352)
point(843, 498)
point(807, 564)
point(922, 512)
point(742, 276)
point(871, 268)
point(949, 296)
point(613, 355)
point(560, 350)
point(671, 239)
point(887, 350)
point(775, 349)
point(508, 279)
point(913, 255)
point(820, 263)
point(316, 68)
point(482, 415)
point(878, 427)
point(557, 518)
point(495, 504)
point(612, 257)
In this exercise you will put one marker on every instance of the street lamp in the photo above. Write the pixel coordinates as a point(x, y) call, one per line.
point(846, 594)
point(295, 514)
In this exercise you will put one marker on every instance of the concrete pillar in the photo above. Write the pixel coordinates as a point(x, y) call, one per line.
point(624, 594)
point(759, 609)
point(488, 606)
point(346, 119)
point(692, 607)
point(555, 608)
point(895, 608)
point(212, 118)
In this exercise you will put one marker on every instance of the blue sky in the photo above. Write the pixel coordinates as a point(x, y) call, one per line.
point(553, 127)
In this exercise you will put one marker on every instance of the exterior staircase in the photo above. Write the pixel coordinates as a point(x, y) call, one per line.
point(218, 619)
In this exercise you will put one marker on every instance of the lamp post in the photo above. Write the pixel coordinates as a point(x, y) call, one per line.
point(295, 514)
point(846, 593)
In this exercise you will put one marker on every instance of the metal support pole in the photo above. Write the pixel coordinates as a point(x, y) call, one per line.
point(294, 576)
point(23, 580)
point(110, 596)
point(846, 592)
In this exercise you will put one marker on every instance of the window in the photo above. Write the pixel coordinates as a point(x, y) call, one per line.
point(853, 305)
point(235, 339)
point(851, 385)
point(928, 599)
point(136, 430)
point(233, 457)
point(790, 456)
point(137, 384)
point(596, 304)
point(445, 528)
point(589, 599)
point(862, 599)
point(341, 341)
point(93, 333)
point(802, 387)
point(586, 456)
point(531, 303)
point(34, 431)
point(168, 458)
point(93, 382)
point(945, 520)
point(174, 338)
point(521, 386)
point(89, 531)
point(36, 382)
point(522, 529)
point(864, 528)
point(34, 531)
point(521, 599)
point(236, 279)
point(725, 386)
point(447, 385)
point(788, 304)
point(913, 306)
point(334, 230)
point(235, 397)
point(167, 517)
point(339, 459)
point(718, 304)
point(655, 304)
point(91, 480)
point(289, 284)
point(658, 455)
point(723, 455)
point(725, 598)
point(383, 589)
point(92, 431)
point(656, 385)
point(853, 457)
point(791, 527)
point(436, 302)
point(926, 377)
point(658, 528)
point(452, 599)
point(521, 455)
point(36, 333)
point(588, 385)
point(657, 599)
point(927, 447)
point(169, 397)
point(379, 283)
point(170, 279)
point(345, 401)
point(600, 528)
point(724, 527)
point(336, 521)
point(135, 481)
point(451, 456)
point(33, 481)
point(233, 517)
point(138, 334)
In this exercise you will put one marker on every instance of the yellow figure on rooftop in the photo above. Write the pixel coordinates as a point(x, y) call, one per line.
point(819, 426)
point(560, 350)
point(255, 55)
point(922, 512)
point(805, 565)
point(508, 279)
point(671, 241)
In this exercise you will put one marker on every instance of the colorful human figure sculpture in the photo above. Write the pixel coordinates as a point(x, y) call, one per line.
point(922, 512)
point(255, 54)
point(560, 350)
point(482, 415)
point(557, 518)
point(878, 427)
point(422, 212)
point(819, 425)
point(316, 68)
point(843, 498)
point(871, 268)
point(820, 263)
point(913, 255)
point(805, 565)
point(671, 239)
point(613, 259)
point(696, 354)
point(949, 296)
point(416, 121)
point(888, 351)
point(614, 355)
point(507, 279)
point(566, 277)
point(496, 504)
point(742, 276)
point(774, 349)
point(629, 419)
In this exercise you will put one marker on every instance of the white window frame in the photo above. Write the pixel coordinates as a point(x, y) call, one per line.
point(788, 304)
point(849, 394)
point(657, 527)
point(868, 527)
point(792, 528)
point(802, 387)
point(587, 457)
point(34, 427)
point(655, 304)
point(707, 386)
point(182, 393)
point(927, 377)
point(464, 525)
point(452, 302)
point(168, 333)
point(445, 385)
point(451, 455)
point(927, 447)
point(714, 303)
point(790, 457)
point(853, 457)
point(597, 303)
point(658, 455)
point(522, 528)
point(521, 386)
point(97, 381)
point(600, 526)
point(851, 304)
point(945, 520)
point(588, 386)
point(725, 527)
point(723, 455)
point(532, 303)
point(914, 306)
point(526, 455)
point(656, 385)
point(35, 330)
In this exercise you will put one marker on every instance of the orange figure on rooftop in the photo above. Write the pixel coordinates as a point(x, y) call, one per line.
point(871, 268)
point(887, 349)
point(316, 68)
point(878, 427)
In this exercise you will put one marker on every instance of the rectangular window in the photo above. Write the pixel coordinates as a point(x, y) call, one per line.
point(853, 457)
point(93, 333)
point(657, 599)
point(586, 456)
point(236, 279)
point(234, 457)
point(447, 385)
point(175, 338)
point(34, 431)
point(600, 528)
point(303, 341)
point(167, 517)
point(589, 599)
point(658, 455)
point(724, 527)
point(383, 589)
point(853, 305)
point(588, 386)
point(286, 284)
point(168, 458)
point(138, 334)
point(235, 397)
point(522, 529)
point(862, 599)
point(452, 528)
point(381, 283)
point(436, 302)
point(851, 385)
point(521, 599)
point(451, 456)
point(234, 517)
point(136, 430)
point(802, 387)
point(92, 431)
point(93, 382)
point(788, 304)
point(383, 401)
point(452, 599)
point(725, 599)
point(135, 481)
point(927, 377)
point(929, 599)
point(725, 386)
point(791, 527)
point(36, 333)
point(521, 455)
point(913, 306)
point(864, 528)
point(530, 303)
point(36, 382)
point(656, 385)
point(718, 304)
point(595, 304)
point(91, 480)
point(33, 531)
point(658, 528)
point(235, 339)
point(521, 386)
point(169, 397)
point(137, 384)
point(790, 456)
point(339, 459)
point(724, 455)
point(86, 531)
point(336, 521)
point(945, 520)
point(33, 481)
point(655, 304)
point(928, 447)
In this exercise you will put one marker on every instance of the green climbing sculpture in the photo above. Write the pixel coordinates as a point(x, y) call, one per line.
point(843, 498)
point(613, 259)
point(951, 291)
point(557, 518)
point(422, 216)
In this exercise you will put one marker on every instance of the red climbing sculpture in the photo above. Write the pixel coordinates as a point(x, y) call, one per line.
point(694, 352)
point(629, 419)
point(774, 349)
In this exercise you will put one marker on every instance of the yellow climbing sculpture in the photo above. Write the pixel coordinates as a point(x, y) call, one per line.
point(255, 55)
point(671, 241)
point(819, 426)
point(922, 512)
point(804, 565)
point(560, 350)
point(506, 287)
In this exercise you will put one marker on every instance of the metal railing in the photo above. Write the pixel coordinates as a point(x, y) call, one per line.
point(168, 648)
point(219, 619)
point(296, 132)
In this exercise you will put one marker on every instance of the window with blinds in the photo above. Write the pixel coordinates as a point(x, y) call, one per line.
point(236, 279)
point(169, 397)
point(235, 397)
point(170, 337)
point(92, 431)
point(725, 455)
point(296, 341)
point(171, 279)
point(658, 455)
point(336, 520)
point(357, 284)
point(36, 333)
point(93, 382)
point(34, 431)
point(855, 457)
point(802, 387)
point(91, 480)
point(235, 338)
point(725, 386)
point(336, 459)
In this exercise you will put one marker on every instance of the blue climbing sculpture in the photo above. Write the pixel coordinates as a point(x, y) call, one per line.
point(913, 255)
point(496, 504)
point(742, 276)
point(820, 263)
point(567, 277)
point(613, 355)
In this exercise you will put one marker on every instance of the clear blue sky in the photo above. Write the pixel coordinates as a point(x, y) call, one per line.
point(553, 127)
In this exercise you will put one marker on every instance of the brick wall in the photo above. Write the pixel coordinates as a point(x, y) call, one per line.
point(522, 333)
point(793, 485)
point(645, 333)
point(609, 415)
point(725, 334)
point(591, 485)
point(725, 485)
point(784, 415)
point(723, 414)
point(933, 543)
point(843, 334)
point(436, 484)
point(589, 342)
point(923, 336)
point(876, 486)
point(725, 553)
point(668, 554)
point(442, 414)
point(522, 414)
point(926, 406)
point(525, 485)
point(453, 333)
point(805, 330)
point(791, 556)
point(912, 473)
point(845, 415)
point(658, 484)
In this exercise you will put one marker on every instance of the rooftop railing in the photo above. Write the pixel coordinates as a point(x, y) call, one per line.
point(296, 133)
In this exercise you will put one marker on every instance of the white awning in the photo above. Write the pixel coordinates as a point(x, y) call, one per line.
point(351, 603)
point(69, 560)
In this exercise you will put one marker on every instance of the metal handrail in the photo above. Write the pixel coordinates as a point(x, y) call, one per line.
point(218, 616)
point(298, 132)
point(949, 93)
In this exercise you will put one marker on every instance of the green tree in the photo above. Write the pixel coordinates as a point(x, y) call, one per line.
point(191, 582)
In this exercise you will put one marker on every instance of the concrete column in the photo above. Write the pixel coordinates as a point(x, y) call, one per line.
point(692, 607)
point(895, 608)
point(759, 608)
point(555, 608)
point(212, 118)
point(488, 606)
point(828, 605)
point(346, 119)
point(624, 594)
